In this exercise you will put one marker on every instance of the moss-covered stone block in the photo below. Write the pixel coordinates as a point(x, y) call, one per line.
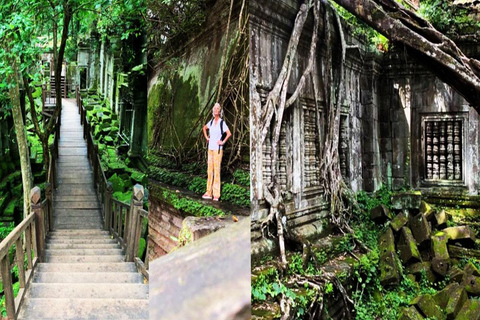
point(458, 296)
point(139, 177)
point(456, 274)
point(406, 200)
point(386, 242)
point(461, 234)
point(471, 269)
point(390, 269)
point(469, 311)
point(410, 313)
point(10, 208)
point(380, 214)
point(427, 210)
point(428, 306)
point(440, 266)
point(125, 197)
point(408, 247)
point(399, 221)
point(118, 183)
point(420, 228)
point(472, 284)
point(441, 218)
point(439, 245)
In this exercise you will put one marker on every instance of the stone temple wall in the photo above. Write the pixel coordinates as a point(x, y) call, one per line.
point(430, 132)
point(389, 102)
point(186, 84)
point(270, 28)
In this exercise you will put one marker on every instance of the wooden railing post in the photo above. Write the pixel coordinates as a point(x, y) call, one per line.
point(36, 205)
point(49, 195)
point(108, 206)
point(7, 286)
point(96, 166)
point(135, 207)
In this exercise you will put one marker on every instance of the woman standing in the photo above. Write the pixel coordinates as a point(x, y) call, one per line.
point(219, 134)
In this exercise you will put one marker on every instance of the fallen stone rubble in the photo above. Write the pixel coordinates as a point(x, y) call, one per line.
point(419, 240)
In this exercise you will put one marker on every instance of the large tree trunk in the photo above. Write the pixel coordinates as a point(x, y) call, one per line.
point(27, 179)
point(423, 41)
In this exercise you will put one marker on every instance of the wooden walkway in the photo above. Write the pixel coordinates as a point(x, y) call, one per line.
point(84, 275)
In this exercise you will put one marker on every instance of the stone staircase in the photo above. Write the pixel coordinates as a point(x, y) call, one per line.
point(84, 274)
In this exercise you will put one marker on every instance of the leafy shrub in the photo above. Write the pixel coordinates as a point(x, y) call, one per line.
point(190, 206)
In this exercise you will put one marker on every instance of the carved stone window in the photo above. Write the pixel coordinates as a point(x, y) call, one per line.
point(443, 149)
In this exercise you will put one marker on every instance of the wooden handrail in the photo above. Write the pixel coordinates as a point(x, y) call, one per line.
point(29, 240)
point(122, 220)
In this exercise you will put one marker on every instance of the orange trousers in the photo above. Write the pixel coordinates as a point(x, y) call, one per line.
point(213, 173)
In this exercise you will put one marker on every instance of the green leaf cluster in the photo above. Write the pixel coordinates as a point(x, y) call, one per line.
point(190, 206)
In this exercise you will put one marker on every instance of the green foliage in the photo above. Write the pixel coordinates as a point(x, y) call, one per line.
point(172, 24)
point(16, 288)
point(360, 29)
point(230, 192)
point(448, 18)
point(190, 206)
point(242, 177)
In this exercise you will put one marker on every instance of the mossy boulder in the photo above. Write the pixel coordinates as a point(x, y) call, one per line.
point(139, 177)
point(117, 182)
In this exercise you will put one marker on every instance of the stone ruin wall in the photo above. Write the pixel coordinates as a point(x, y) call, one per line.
point(270, 29)
point(376, 139)
point(199, 67)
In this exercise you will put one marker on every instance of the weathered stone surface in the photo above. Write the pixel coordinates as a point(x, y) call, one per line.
point(199, 227)
point(410, 313)
point(441, 218)
point(462, 234)
point(469, 311)
point(206, 278)
point(439, 245)
point(380, 214)
point(406, 200)
point(455, 274)
point(390, 271)
point(443, 296)
point(418, 268)
point(399, 221)
point(407, 246)
point(420, 228)
point(471, 269)
point(427, 210)
point(440, 266)
point(387, 242)
point(458, 297)
point(472, 284)
point(459, 252)
point(427, 305)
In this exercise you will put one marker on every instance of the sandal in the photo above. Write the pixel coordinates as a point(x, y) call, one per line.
point(206, 196)
point(215, 199)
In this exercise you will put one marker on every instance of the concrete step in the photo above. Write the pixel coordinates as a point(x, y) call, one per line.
point(77, 181)
point(83, 246)
point(116, 267)
point(89, 290)
point(79, 226)
point(105, 309)
point(75, 190)
point(76, 205)
point(77, 236)
point(76, 212)
point(72, 159)
point(82, 241)
point(87, 277)
point(84, 258)
point(79, 232)
point(73, 198)
point(83, 252)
